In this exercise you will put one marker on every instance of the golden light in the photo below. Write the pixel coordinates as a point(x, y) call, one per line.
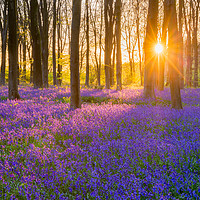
point(159, 48)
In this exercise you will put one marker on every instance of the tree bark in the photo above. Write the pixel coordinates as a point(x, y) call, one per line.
point(54, 43)
point(3, 61)
point(189, 60)
point(59, 73)
point(44, 29)
point(161, 68)
point(112, 67)
point(173, 47)
point(35, 32)
point(149, 48)
point(181, 43)
point(24, 43)
point(3, 30)
point(118, 40)
point(195, 45)
point(138, 39)
point(74, 59)
point(88, 45)
point(108, 17)
point(188, 46)
point(13, 50)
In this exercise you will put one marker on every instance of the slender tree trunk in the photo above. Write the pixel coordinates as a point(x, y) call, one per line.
point(31, 65)
point(20, 60)
point(24, 42)
point(88, 45)
point(44, 29)
point(112, 67)
point(138, 39)
point(181, 43)
point(54, 43)
point(196, 55)
point(118, 40)
point(108, 17)
point(3, 31)
point(189, 60)
point(24, 59)
point(68, 31)
point(150, 56)
point(74, 59)
point(3, 58)
point(173, 55)
point(35, 32)
point(13, 50)
point(188, 45)
point(100, 47)
point(162, 57)
point(59, 73)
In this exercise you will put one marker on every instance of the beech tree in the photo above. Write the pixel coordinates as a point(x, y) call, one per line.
point(195, 11)
point(88, 44)
point(59, 43)
point(3, 31)
point(109, 20)
point(13, 50)
point(118, 7)
point(173, 46)
point(138, 39)
point(54, 43)
point(163, 55)
point(150, 55)
point(187, 17)
point(74, 58)
point(36, 45)
point(181, 2)
point(44, 30)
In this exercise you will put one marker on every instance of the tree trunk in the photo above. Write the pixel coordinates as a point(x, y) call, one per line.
point(189, 60)
point(13, 51)
point(59, 73)
point(118, 40)
point(88, 45)
point(112, 67)
point(149, 48)
point(37, 67)
point(24, 59)
point(188, 45)
point(181, 44)
point(3, 30)
point(173, 55)
point(24, 42)
point(196, 46)
point(100, 47)
point(162, 57)
point(74, 58)
point(3, 60)
point(54, 43)
point(31, 65)
point(108, 17)
point(44, 29)
point(20, 60)
point(138, 39)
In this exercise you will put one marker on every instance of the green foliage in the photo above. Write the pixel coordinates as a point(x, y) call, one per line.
point(63, 100)
point(2, 98)
point(91, 99)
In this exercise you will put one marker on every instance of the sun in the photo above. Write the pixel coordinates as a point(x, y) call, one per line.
point(159, 48)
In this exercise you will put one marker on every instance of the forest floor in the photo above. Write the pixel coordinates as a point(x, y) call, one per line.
point(117, 146)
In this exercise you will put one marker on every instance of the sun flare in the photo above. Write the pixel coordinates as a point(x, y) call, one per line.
point(159, 48)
